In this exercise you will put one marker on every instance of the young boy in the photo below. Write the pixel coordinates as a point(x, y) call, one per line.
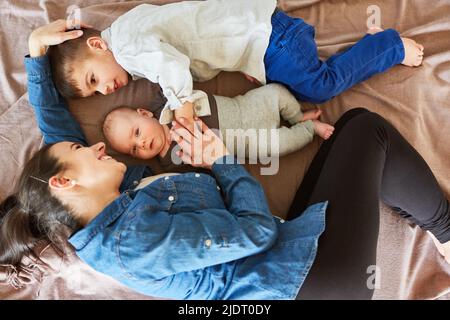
point(177, 43)
point(139, 134)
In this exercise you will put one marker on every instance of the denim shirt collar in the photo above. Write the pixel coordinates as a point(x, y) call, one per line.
point(107, 216)
point(131, 179)
point(133, 175)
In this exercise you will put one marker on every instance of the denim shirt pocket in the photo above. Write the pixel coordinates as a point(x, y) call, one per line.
point(129, 257)
point(198, 192)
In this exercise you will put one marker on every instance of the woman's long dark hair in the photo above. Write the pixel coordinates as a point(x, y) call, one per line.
point(32, 214)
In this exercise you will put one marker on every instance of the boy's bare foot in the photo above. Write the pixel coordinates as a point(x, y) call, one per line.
point(323, 130)
point(311, 114)
point(374, 30)
point(413, 53)
point(413, 50)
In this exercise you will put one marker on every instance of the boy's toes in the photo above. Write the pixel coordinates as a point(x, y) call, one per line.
point(413, 53)
point(418, 61)
point(419, 47)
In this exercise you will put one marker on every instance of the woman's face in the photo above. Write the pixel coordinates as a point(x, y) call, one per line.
point(91, 167)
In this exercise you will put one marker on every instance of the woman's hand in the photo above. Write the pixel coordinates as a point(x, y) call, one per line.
point(52, 34)
point(200, 147)
point(186, 111)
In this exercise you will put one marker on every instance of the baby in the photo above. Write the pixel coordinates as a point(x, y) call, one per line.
point(177, 43)
point(139, 134)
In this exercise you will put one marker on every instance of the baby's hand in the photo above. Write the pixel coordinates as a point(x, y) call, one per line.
point(251, 79)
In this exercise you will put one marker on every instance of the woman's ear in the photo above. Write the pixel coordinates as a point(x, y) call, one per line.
point(97, 43)
point(58, 183)
point(145, 113)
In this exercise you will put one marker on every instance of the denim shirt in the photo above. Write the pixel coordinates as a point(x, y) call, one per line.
point(189, 236)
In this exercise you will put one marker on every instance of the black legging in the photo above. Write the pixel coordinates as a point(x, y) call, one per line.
point(366, 160)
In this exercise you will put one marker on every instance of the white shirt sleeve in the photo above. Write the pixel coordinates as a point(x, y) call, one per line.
point(161, 63)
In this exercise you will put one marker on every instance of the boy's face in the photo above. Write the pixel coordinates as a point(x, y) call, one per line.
point(137, 133)
point(100, 72)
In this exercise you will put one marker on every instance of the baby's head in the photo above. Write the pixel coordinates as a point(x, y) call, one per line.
point(85, 66)
point(134, 132)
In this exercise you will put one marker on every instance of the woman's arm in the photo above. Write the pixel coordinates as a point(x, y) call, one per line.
point(161, 244)
point(203, 238)
point(54, 119)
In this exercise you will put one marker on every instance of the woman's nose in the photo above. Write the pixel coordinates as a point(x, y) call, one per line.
point(99, 147)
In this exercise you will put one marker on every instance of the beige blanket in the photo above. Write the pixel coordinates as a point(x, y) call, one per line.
point(416, 101)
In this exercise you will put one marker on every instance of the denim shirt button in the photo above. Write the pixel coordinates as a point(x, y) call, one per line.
point(197, 175)
point(166, 178)
point(208, 243)
point(218, 188)
point(171, 198)
point(282, 221)
point(135, 182)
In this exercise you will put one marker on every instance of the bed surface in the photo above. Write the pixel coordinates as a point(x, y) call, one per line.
point(415, 101)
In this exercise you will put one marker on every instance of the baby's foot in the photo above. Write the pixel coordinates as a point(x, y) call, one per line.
point(311, 114)
point(323, 130)
point(374, 30)
point(413, 53)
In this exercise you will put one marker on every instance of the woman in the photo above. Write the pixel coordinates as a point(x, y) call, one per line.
point(193, 236)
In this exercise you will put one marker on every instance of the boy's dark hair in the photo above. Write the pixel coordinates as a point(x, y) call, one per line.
point(63, 60)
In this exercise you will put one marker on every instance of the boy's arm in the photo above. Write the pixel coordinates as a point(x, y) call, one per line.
point(161, 63)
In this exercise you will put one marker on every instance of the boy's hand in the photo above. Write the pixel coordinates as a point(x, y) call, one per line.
point(52, 34)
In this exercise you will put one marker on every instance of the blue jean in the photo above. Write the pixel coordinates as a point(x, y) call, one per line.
point(292, 59)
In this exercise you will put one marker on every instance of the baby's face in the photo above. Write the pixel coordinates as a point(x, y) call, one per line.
point(137, 133)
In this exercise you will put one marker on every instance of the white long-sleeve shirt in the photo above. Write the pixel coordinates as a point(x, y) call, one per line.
point(176, 44)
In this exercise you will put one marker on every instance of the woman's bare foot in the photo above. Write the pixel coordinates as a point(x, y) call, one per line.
point(311, 114)
point(413, 53)
point(443, 248)
point(324, 130)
